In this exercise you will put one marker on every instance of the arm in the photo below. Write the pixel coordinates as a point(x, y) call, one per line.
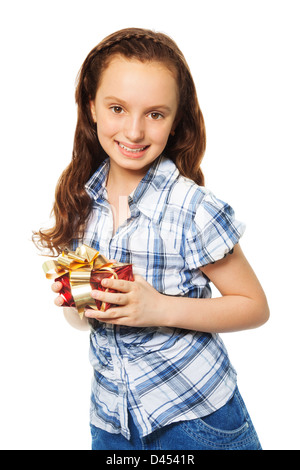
point(70, 314)
point(72, 317)
point(243, 304)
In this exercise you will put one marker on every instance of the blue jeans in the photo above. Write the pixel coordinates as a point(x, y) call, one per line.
point(229, 428)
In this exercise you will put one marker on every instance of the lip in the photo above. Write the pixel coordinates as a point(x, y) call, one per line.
point(133, 152)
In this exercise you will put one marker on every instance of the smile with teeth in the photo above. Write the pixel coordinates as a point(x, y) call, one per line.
point(135, 150)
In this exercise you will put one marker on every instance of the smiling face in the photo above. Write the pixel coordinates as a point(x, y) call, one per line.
point(135, 109)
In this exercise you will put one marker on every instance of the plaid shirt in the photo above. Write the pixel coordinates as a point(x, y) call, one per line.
point(161, 375)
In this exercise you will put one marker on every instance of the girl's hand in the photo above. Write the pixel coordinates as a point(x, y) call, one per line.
point(70, 313)
point(56, 287)
point(139, 304)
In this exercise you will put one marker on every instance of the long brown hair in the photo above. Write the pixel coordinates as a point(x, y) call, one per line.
point(186, 148)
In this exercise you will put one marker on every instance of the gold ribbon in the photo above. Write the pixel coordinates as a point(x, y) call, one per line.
point(79, 264)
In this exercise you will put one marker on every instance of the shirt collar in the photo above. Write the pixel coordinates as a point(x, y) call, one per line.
point(95, 186)
point(150, 193)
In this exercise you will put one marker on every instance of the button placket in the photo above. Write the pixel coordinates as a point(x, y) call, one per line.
point(120, 374)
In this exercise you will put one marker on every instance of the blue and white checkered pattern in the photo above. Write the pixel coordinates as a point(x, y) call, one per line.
point(161, 375)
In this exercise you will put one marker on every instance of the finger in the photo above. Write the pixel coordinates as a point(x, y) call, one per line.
point(139, 278)
point(110, 297)
point(117, 284)
point(59, 301)
point(56, 286)
point(109, 316)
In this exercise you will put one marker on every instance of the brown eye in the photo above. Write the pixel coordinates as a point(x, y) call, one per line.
point(156, 116)
point(117, 109)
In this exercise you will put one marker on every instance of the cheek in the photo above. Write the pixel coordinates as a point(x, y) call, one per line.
point(106, 128)
point(160, 136)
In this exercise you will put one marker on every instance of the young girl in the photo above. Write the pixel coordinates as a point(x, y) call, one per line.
point(134, 190)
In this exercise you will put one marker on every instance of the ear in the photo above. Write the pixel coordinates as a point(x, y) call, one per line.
point(93, 110)
point(174, 127)
point(175, 123)
point(172, 131)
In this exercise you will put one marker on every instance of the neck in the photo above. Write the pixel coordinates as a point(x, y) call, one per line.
point(121, 181)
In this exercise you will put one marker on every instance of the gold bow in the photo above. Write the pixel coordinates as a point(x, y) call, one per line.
point(79, 264)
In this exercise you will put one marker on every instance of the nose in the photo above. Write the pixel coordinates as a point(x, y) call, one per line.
point(134, 128)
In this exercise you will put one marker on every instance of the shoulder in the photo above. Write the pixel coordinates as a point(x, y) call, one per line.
point(201, 210)
point(185, 194)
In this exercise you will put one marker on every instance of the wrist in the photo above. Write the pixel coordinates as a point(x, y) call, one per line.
point(164, 309)
point(72, 317)
point(178, 311)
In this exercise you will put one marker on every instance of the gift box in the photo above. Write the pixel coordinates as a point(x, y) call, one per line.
point(80, 272)
point(121, 272)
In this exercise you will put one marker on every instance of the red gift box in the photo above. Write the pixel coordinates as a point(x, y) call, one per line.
point(82, 270)
point(122, 272)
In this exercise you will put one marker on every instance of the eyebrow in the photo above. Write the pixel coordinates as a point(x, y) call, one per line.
point(119, 100)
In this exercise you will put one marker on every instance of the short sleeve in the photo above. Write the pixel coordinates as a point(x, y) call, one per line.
point(213, 232)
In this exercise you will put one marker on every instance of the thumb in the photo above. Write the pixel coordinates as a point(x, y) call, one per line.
point(139, 278)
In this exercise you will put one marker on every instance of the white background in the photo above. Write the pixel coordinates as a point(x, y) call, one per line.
point(244, 56)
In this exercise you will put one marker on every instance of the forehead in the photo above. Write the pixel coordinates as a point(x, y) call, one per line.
point(132, 78)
